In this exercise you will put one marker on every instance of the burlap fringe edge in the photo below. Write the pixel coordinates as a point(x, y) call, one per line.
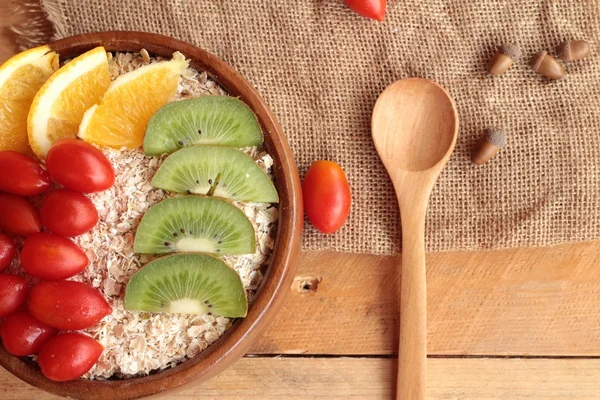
point(38, 22)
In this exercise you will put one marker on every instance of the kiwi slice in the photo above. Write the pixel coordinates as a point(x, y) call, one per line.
point(187, 284)
point(215, 171)
point(195, 224)
point(205, 120)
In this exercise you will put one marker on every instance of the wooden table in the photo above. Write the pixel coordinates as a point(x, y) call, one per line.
point(512, 324)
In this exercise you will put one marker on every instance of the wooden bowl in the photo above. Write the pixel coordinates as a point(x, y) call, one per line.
point(278, 278)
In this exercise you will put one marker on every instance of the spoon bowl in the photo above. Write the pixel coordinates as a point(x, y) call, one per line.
point(405, 135)
point(414, 127)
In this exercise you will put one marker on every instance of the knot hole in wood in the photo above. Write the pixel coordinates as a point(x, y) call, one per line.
point(306, 284)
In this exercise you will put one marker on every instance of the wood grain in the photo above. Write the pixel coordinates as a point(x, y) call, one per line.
point(514, 302)
point(345, 378)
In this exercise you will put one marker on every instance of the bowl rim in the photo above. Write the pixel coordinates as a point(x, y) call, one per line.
point(278, 277)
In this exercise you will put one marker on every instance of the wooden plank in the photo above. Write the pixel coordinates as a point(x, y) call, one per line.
point(373, 378)
point(515, 302)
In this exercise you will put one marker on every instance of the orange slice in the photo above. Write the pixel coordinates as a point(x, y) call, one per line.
point(20, 79)
point(121, 118)
point(58, 107)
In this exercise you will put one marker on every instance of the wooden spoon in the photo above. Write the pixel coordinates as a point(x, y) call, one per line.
point(414, 127)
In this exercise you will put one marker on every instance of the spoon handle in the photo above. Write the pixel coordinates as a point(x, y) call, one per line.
point(412, 351)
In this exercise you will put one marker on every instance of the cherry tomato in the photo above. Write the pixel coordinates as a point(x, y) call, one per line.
point(52, 257)
point(23, 335)
point(18, 216)
point(21, 175)
point(67, 305)
point(80, 166)
point(374, 9)
point(326, 195)
point(7, 251)
point(68, 213)
point(68, 356)
point(13, 293)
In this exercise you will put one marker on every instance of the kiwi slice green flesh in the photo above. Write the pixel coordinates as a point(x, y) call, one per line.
point(218, 171)
point(194, 224)
point(187, 284)
point(205, 120)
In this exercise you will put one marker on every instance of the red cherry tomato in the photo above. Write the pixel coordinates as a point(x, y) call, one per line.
point(21, 175)
point(80, 166)
point(7, 251)
point(18, 216)
point(23, 335)
point(68, 356)
point(13, 293)
point(326, 195)
point(67, 305)
point(52, 257)
point(374, 9)
point(68, 213)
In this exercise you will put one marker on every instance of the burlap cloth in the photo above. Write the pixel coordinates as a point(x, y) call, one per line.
point(321, 68)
